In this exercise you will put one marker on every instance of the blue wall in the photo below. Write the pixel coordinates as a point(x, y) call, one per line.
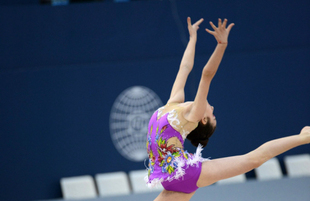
point(61, 69)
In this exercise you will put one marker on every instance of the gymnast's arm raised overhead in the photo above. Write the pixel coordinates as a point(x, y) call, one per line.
point(196, 111)
point(187, 63)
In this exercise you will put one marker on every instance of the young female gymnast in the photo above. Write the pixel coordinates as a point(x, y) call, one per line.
point(181, 173)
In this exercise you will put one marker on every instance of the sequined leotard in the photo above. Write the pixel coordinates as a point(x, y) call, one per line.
point(172, 166)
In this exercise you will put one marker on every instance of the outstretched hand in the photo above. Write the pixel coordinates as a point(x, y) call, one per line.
point(221, 32)
point(192, 29)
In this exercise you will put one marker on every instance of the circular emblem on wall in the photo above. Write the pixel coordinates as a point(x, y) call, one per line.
point(129, 120)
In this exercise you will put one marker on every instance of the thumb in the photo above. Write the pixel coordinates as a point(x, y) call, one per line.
point(230, 26)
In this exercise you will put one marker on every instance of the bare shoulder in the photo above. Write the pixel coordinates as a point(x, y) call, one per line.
point(187, 108)
point(181, 108)
point(173, 196)
point(184, 109)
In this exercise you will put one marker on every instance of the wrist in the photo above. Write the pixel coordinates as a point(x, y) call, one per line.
point(222, 43)
point(193, 37)
point(304, 138)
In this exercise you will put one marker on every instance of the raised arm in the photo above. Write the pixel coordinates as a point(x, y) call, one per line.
point(187, 63)
point(196, 111)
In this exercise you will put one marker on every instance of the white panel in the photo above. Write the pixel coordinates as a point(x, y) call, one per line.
point(114, 183)
point(297, 165)
point(271, 169)
point(78, 187)
point(237, 179)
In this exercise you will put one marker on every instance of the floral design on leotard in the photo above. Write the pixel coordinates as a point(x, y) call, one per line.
point(167, 156)
point(151, 162)
point(173, 118)
point(175, 123)
point(167, 163)
point(149, 143)
point(149, 139)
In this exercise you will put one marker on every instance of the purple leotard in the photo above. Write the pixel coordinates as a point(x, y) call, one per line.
point(175, 168)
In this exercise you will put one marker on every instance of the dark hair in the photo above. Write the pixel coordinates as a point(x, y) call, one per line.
point(201, 134)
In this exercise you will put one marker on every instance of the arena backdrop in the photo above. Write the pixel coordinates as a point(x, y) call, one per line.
point(78, 82)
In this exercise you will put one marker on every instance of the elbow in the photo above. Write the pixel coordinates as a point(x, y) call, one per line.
point(208, 73)
point(255, 161)
point(188, 67)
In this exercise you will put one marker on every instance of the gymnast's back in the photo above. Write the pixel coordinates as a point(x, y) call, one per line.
point(167, 131)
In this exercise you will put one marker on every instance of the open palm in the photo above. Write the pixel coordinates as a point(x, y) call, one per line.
point(221, 32)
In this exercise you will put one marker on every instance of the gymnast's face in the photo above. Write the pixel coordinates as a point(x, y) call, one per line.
point(209, 116)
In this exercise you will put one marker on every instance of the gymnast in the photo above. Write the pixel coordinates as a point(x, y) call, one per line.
point(180, 172)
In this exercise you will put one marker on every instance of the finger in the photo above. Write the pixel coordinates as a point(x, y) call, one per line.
point(210, 32)
point(198, 22)
point(212, 25)
point(229, 27)
point(189, 22)
point(225, 23)
point(219, 23)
